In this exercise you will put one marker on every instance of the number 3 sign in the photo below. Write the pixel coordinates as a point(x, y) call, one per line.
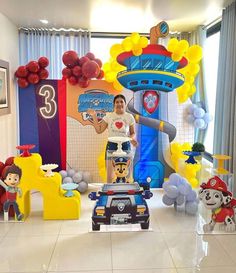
point(42, 112)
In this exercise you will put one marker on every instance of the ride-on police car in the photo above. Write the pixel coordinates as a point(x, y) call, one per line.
point(120, 203)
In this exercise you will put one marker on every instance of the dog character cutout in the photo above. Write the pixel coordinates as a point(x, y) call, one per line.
point(121, 169)
point(215, 196)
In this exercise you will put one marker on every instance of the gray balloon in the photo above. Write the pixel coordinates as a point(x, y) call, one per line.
point(67, 179)
point(180, 199)
point(87, 177)
point(63, 173)
point(82, 186)
point(71, 172)
point(77, 177)
point(191, 208)
point(167, 200)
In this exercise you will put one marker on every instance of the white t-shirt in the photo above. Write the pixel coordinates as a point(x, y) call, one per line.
point(118, 125)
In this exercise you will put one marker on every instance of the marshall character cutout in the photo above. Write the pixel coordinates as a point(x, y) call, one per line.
point(11, 180)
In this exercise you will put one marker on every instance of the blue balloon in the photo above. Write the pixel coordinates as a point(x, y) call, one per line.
point(180, 199)
point(191, 207)
point(192, 196)
point(172, 191)
point(190, 118)
point(165, 185)
point(191, 108)
point(207, 118)
point(199, 123)
point(167, 200)
point(199, 113)
point(174, 179)
point(185, 189)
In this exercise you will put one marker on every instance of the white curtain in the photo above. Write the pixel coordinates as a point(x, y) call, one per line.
point(52, 43)
point(225, 114)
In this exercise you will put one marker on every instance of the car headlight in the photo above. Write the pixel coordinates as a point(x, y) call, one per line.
point(141, 209)
point(100, 211)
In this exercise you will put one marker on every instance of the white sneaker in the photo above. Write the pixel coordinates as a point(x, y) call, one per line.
point(6, 217)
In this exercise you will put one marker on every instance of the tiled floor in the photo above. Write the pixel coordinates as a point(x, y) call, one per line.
point(173, 245)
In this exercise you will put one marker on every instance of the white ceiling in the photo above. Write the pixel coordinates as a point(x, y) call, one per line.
point(113, 15)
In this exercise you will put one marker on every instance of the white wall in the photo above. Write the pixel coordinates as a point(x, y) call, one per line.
point(9, 51)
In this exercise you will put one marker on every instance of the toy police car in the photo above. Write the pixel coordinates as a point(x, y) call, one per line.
point(120, 203)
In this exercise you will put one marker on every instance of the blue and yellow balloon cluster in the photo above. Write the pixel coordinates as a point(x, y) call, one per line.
point(189, 171)
point(193, 54)
point(134, 43)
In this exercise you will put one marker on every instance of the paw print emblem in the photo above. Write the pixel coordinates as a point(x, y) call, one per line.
point(150, 101)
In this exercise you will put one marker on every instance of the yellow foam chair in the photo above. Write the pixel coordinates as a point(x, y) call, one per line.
point(55, 205)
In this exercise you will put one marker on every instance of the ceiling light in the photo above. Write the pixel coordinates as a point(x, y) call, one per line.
point(44, 21)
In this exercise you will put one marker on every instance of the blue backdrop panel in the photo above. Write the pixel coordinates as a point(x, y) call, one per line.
point(28, 117)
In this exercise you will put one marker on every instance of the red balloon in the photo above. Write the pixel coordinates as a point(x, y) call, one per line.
point(43, 74)
point(33, 78)
point(77, 71)
point(77, 62)
point(83, 60)
point(66, 72)
point(4, 170)
point(73, 80)
point(99, 62)
point(100, 75)
point(69, 58)
point(43, 62)
point(2, 166)
point(83, 82)
point(21, 71)
point(22, 82)
point(9, 161)
point(33, 66)
point(90, 55)
point(91, 69)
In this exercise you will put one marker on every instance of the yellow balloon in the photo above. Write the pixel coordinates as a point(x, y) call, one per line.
point(176, 57)
point(194, 182)
point(185, 87)
point(143, 41)
point(115, 66)
point(189, 79)
point(115, 50)
point(135, 37)
point(194, 54)
point(110, 76)
point(172, 44)
point(127, 44)
point(192, 90)
point(106, 67)
point(175, 147)
point(193, 69)
point(137, 51)
point(117, 86)
point(182, 97)
point(186, 146)
point(184, 45)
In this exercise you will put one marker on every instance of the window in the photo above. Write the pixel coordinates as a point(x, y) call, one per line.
point(100, 47)
point(211, 53)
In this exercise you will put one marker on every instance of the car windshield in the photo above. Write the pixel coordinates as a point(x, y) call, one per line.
point(120, 187)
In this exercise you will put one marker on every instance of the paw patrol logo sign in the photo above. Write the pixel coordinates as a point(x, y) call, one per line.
point(150, 101)
point(98, 100)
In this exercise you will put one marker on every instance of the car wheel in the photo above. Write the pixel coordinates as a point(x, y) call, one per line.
point(95, 227)
point(145, 225)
